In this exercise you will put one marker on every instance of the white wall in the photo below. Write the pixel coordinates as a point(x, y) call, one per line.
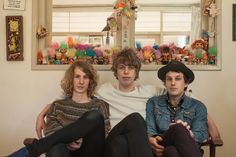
point(24, 92)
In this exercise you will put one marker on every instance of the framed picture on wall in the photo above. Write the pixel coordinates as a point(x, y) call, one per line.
point(14, 38)
point(14, 4)
point(234, 22)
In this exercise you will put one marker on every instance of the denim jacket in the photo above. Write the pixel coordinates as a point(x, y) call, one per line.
point(192, 111)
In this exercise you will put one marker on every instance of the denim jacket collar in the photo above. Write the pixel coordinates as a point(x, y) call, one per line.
point(184, 104)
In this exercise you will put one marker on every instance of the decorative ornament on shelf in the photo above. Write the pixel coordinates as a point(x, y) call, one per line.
point(42, 32)
point(107, 29)
point(213, 10)
point(133, 4)
point(199, 48)
point(211, 34)
point(206, 5)
point(212, 55)
point(210, 8)
point(125, 7)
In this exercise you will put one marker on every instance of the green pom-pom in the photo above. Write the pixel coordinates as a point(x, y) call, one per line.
point(63, 45)
point(199, 55)
point(212, 51)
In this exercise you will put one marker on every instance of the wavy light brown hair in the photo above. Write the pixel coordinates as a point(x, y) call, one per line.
point(67, 81)
point(126, 56)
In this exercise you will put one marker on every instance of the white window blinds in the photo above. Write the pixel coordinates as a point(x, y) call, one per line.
point(79, 21)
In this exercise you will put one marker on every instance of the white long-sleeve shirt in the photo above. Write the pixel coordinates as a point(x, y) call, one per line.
point(125, 103)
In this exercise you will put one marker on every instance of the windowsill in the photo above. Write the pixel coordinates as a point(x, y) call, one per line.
point(145, 67)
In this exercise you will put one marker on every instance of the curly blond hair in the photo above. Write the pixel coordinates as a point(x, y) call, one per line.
point(126, 56)
point(67, 81)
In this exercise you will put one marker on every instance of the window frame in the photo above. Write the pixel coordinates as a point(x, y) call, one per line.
point(42, 13)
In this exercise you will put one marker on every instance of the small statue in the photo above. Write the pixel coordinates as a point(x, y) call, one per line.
point(42, 32)
point(40, 57)
point(199, 51)
point(147, 54)
point(213, 10)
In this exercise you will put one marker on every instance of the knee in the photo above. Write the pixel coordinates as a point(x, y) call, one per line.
point(95, 116)
point(179, 129)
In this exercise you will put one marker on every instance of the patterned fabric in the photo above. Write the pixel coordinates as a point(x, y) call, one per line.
point(66, 111)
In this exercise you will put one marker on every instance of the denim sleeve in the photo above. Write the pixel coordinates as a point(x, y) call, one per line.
point(199, 125)
point(150, 120)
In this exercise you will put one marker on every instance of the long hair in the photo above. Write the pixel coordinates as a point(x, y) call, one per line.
point(126, 56)
point(67, 81)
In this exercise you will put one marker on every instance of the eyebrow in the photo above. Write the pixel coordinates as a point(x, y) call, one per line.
point(178, 75)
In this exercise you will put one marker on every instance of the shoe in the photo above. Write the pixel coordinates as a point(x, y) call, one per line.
point(29, 141)
point(23, 152)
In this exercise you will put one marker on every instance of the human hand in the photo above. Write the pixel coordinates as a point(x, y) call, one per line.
point(40, 121)
point(40, 125)
point(75, 145)
point(185, 124)
point(157, 148)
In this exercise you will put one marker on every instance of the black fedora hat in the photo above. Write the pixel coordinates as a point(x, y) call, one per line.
point(178, 67)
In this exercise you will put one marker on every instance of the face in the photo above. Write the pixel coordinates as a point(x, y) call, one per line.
point(126, 75)
point(80, 82)
point(199, 45)
point(175, 83)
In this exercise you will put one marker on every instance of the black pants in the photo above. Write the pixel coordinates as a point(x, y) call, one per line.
point(128, 138)
point(179, 143)
point(90, 127)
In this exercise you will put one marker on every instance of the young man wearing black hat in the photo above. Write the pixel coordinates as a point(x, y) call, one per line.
point(176, 123)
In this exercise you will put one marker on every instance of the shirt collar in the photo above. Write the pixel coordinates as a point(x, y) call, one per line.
point(180, 102)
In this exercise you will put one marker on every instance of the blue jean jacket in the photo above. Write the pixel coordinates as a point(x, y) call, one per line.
point(191, 111)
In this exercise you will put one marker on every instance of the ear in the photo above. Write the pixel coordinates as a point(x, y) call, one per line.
point(115, 74)
point(164, 83)
point(186, 85)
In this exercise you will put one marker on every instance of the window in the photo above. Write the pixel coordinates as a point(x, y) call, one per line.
point(83, 26)
point(84, 22)
point(163, 26)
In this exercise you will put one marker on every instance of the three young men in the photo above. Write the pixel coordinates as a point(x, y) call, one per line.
point(124, 98)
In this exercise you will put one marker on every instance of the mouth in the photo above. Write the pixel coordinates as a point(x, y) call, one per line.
point(126, 78)
point(80, 87)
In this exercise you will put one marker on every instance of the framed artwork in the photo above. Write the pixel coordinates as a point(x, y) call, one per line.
point(234, 22)
point(14, 38)
point(14, 4)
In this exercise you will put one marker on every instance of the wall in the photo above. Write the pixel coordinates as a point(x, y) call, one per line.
point(23, 92)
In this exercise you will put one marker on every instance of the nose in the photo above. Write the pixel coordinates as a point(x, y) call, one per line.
point(172, 81)
point(126, 69)
point(81, 80)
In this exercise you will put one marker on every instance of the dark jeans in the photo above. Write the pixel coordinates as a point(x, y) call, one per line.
point(90, 127)
point(128, 138)
point(179, 143)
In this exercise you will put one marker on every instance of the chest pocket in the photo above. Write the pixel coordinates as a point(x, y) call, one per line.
point(162, 118)
point(189, 116)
